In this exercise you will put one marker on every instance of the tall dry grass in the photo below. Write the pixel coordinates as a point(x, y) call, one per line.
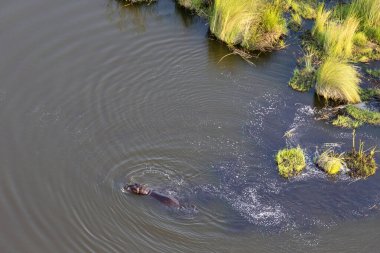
point(338, 81)
point(336, 37)
point(252, 24)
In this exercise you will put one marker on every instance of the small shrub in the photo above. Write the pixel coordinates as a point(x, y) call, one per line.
point(346, 122)
point(330, 162)
point(290, 161)
point(338, 81)
point(363, 115)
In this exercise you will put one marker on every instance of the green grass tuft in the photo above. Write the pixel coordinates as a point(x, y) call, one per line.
point(363, 115)
point(290, 161)
point(346, 122)
point(338, 81)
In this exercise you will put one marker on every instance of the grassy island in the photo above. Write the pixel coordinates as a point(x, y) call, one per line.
point(290, 161)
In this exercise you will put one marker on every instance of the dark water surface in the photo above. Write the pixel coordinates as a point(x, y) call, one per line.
point(93, 96)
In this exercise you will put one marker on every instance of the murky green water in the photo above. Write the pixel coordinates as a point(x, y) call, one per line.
point(93, 96)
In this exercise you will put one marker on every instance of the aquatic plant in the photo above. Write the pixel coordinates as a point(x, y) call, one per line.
point(320, 23)
point(373, 72)
point(361, 163)
point(330, 162)
point(363, 115)
point(346, 122)
point(252, 24)
point(290, 161)
point(295, 21)
point(338, 81)
point(302, 80)
point(368, 94)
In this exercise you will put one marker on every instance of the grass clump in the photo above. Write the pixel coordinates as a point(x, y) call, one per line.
point(346, 122)
point(304, 77)
point(338, 81)
point(363, 115)
point(290, 161)
point(304, 8)
point(302, 80)
point(368, 12)
point(336, 37)
point(330, 162)
point(360, 39)
point(361, 163)
point(373, 72)
point(295, 21)
point(251, 24)
point(368, 94)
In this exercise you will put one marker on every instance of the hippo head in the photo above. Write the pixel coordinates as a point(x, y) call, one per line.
point(138, 189)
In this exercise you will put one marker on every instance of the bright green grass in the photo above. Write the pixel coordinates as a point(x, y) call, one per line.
point(373, 72)
point(363, 115)
point(290, 161)
point(346, 122)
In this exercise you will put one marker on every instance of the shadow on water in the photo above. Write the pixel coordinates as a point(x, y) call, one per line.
point(122, 14)
point(188, 17)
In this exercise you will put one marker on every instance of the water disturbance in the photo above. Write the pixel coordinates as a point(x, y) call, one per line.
point(93, 96)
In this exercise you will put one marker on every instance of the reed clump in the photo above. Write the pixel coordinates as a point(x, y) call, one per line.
point(361, 163)
point(251, 24)
point(290, 161)
point(338, 81)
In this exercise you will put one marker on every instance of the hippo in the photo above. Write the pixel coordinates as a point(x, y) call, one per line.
point(140, 189)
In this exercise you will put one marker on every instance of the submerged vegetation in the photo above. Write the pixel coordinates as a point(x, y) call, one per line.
point(290, 161)
point(374, 72)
